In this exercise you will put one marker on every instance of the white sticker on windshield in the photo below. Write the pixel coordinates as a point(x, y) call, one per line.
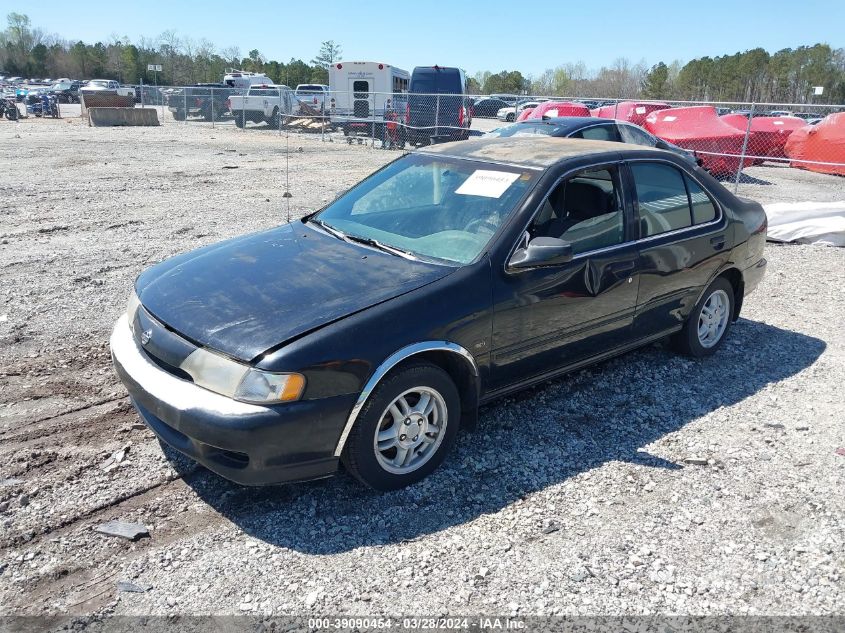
point(640, 110)
point(486, 183)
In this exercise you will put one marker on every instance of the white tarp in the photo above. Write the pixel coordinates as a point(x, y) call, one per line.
point(820, 223)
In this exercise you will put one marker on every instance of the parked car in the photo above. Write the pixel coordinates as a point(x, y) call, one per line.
point(488, 107)
point(205, 100)
point(509, 113)
point(439, 108)
point(593, 129)
point(66, 92)
point(370, 331)
point(272, 104)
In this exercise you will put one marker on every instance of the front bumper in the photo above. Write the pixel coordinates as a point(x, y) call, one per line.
point(246, 443)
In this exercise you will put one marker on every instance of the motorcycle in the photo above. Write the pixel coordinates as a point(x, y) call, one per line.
point(9, 108)
point(42, 105)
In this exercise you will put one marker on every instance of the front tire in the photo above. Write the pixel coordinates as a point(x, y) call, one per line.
point(405, 429)
point(709, 323)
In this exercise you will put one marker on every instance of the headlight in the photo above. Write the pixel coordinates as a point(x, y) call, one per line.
point(235, 380)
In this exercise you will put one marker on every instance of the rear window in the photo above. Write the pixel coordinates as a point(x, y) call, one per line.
point(443, 81)
point(309, 90)
point(264, 92)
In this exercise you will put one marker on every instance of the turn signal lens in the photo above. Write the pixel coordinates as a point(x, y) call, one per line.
point(264, 387)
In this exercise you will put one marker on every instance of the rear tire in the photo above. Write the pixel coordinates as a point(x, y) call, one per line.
point(239, 120)
point(394, 445)
point(709, 322)
point(274, 120)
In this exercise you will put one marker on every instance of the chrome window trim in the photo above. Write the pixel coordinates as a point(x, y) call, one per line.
point(719, 217)
point(389, 363)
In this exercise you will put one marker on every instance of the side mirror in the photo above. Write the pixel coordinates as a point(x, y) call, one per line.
point(541, 251)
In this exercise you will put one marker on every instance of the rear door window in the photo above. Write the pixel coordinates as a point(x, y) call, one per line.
point(662, 196)
point(361, 89)
point(703, 209)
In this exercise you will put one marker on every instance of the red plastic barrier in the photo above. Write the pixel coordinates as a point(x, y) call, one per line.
point(632, 111)
point(824, 142)
point(559, 108)
point(768, 133)
point(699, 129)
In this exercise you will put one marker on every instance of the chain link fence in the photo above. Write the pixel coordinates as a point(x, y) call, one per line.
point(768, 151)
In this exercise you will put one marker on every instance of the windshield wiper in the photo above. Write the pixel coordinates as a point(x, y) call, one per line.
point(382, 247)
point(328, 228)
point(346, 237)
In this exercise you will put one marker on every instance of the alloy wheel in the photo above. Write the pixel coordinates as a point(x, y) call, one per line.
point(410, 430)
point(713, 318)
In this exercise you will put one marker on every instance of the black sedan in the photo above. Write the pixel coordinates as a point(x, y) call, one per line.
point(370, 331)
point(489, 107)
point(592, 128)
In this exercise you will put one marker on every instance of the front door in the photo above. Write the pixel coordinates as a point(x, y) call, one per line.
point(553, 317)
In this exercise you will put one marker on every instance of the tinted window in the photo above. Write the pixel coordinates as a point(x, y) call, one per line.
point(430, 81)
point(703, 209)
point(585, 210)
point(637, 136)
point(662, 197)
point(361, 89)
point(598, 133)
point(264, 92)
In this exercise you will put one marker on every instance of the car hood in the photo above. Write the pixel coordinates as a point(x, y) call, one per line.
point(245, 296)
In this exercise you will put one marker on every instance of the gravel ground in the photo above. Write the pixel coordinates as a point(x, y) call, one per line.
point(648, 484)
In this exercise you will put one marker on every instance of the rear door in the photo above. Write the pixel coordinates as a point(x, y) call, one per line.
point(683, 242)
point(361, 89)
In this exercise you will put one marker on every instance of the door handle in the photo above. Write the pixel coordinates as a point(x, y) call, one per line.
point(718, 242)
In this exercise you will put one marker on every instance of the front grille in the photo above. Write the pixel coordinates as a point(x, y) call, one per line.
point(162, 346)
point(170, 369)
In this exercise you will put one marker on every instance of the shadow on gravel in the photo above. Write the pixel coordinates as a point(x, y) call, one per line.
point(539, 438)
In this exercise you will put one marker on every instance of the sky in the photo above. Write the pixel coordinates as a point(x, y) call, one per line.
point(498, 35)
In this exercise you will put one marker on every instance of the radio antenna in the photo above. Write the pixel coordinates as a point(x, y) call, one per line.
point(287, 195)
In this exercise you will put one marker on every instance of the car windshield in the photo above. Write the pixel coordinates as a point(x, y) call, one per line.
point(523, 129)
point(430, 207)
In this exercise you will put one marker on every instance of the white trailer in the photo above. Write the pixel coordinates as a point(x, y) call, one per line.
point(242, 80)
point(360, 93)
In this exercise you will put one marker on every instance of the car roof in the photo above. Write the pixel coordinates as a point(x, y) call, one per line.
point(535, 151)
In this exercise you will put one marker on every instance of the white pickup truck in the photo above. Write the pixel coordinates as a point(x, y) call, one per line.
point(270, 104)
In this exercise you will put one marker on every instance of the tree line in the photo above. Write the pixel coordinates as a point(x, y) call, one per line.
point(786, 76)
point(29, 52)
